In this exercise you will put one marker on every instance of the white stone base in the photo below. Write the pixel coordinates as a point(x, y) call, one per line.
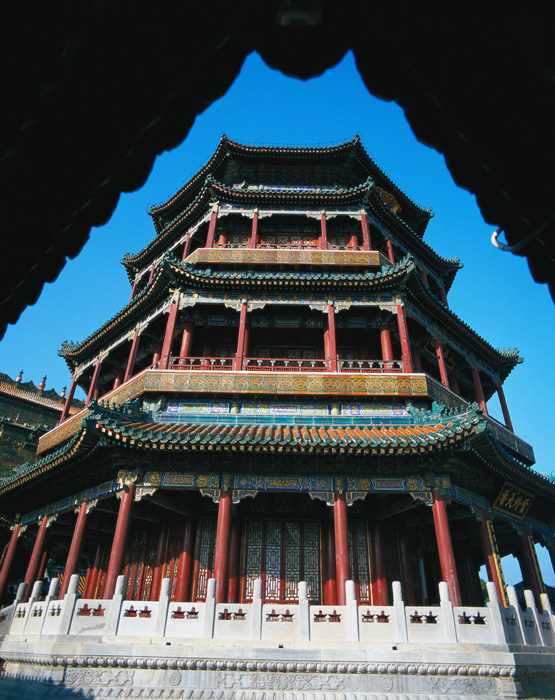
point(77, 668)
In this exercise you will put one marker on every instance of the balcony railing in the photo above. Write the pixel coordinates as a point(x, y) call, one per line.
point(375, 366)
point(284, 364)
point(203, 364)
point(279, 364)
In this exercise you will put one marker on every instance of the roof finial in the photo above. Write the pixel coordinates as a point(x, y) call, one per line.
point(63, 393)
point(19, 377)
point(42, 384)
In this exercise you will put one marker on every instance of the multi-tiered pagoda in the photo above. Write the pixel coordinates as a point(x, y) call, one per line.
point(286, 397)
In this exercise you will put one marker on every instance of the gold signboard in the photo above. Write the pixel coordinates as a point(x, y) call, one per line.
point(513, 501)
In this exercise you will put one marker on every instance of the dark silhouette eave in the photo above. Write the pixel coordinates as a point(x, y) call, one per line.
point(89, 105)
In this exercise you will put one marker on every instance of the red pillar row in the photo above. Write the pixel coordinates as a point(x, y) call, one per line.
point(324, 232)
point(328, 564)
point(121, 535)
point(212, 228)
point(380, 592)
point(94, 381)
point(478, 389)
point(387, 347)
point(69, 398)
point(404, 338)
point(94, 572)
point(186, 561)
point(504, 408)
point(187, 339)
point(158, 564)
point(441, 362)
point(222, 544)
point(241, 339)
point(406, 568)
point(233, 573)
point(254, 232)
point(72, 563)
point(530, 570)
point(168, 335)
point(341, 543)
point(36, 557)
point(8, 558)
point(490, 555)
point(366, 242)
point(390, 253)
point(445, 547)
point(132, 357)
point(331, 344)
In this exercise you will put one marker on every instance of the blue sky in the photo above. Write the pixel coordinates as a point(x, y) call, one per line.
point(494, 293)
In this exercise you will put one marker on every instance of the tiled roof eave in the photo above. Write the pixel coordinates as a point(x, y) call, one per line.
point(446, 267)
point(146, 299)
point(271, 437)
point(510, 467)
point(418, 293)
point(388, 277)
point(229, 146)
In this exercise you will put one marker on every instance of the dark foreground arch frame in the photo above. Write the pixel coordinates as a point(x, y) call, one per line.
point(93, 91)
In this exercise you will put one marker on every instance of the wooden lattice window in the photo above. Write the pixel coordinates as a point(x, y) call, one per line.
point(282, 554)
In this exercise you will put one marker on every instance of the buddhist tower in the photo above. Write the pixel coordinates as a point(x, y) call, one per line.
point(286, 446)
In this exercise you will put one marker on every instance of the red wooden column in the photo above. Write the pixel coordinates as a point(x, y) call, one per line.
point(454, 383)
point(491, 557)
point(222, 543)
point(36, 557)
point(331, 344)
point(324, 232)
point(240, 354)
point(134, 287)
point(406, 567)
point(118, 379)
point(424, 277)
point(121, 535)
point(387, 347)
point(328, 564)
point(132, 357)
point(478, 389)
point(187, 247)
point(404, 338)
point(390, 253)
point(212, 227)
point(441, 362)
point(8, 558)
point(254, 231)
point(72, 563)
point(94, 381)
point(443, 294)
point(156, 354)
point(470, 583)
point(186, 561)
point(69, 398)
point(445, 547)
point(416, 358)
point(94, 571)
point(504, 408)
point(380, 593)
point(529, 564)
point(366, 242)
point(187, 339)
point(158, 563)
point(168, 335)
point(341, 539)
point(233, 576)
